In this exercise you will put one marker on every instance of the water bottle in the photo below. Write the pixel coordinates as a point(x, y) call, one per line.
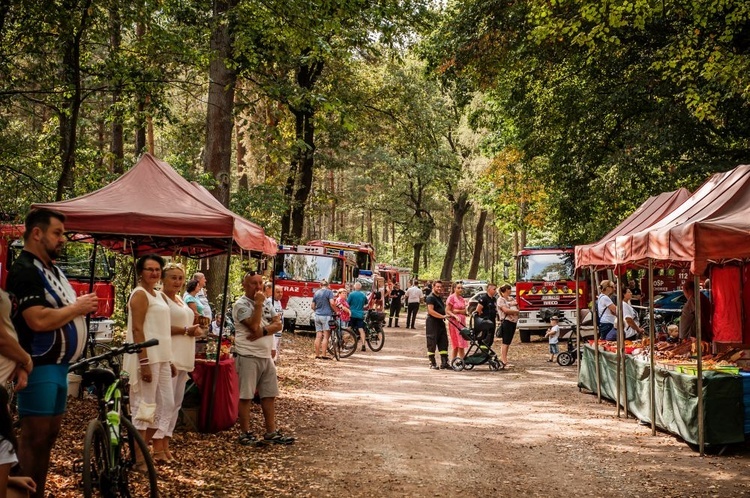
point(113, 418)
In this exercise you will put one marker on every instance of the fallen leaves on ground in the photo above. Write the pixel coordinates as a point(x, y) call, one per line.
point(212, 464)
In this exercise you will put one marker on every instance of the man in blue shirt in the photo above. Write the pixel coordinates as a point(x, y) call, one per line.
point(323, 302)
point(357, 301)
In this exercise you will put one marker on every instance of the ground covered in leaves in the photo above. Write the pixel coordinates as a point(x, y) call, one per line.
point(383, 424)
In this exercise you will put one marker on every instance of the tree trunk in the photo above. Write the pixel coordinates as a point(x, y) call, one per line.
point(415, 260)
point(478, 243)
point(71, 67)
point(117, 143)
point(459, 208)
point(219, 124)
point(299, 181)
point(140, 107)
point(305, 133)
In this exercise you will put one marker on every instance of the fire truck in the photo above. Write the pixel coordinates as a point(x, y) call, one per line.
point(75, 264)
point(545, 279)
point(299, 269)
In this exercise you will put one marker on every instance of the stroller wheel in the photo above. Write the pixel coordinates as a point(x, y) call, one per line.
point(564, 359)
point(468, 366)
point(495, 364)
point(458, 364)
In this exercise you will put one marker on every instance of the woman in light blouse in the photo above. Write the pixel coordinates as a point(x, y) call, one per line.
point(183, 332)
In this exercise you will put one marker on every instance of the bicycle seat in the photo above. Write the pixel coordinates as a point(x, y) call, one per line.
point(100, 378)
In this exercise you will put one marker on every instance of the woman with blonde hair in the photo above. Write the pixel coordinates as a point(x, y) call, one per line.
point(183, 332)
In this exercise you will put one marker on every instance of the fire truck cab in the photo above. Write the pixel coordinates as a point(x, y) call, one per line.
point(545, 279)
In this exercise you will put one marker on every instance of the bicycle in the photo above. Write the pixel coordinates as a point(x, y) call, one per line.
point(343, 342)
point(109, 448)
point(374, 333)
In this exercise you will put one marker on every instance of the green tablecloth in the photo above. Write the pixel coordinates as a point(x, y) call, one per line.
point(676, 397)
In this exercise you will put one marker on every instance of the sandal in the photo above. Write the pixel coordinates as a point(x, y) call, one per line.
point(161, 458)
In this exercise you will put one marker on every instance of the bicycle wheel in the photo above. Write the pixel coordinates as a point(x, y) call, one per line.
point(334, 345)
point(97, 474)
point(375, 339)
point(131, 482)
point(349, 342)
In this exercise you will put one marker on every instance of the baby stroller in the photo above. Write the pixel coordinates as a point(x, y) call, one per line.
point(478, 352)
point(569, 357)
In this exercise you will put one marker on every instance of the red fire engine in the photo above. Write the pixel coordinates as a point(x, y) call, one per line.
point(545, 279)
point(299, 270)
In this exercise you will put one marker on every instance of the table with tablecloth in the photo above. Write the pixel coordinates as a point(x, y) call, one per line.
point(226, 397)
point(676, 397)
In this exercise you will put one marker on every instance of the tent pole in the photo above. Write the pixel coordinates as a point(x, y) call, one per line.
point(578, 326)
point(652, 344)
point(699, 352)
point(620, 345)
point(92, 269)
point(218, 339)
point(595, 319)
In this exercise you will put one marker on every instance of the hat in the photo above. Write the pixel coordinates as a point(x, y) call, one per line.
point(554, 317)
point(324, 282)
point(606, 283)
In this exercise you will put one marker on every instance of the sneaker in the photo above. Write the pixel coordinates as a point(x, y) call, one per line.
point(249, 439)
point(433, 367)
point(278, 438)
point(364, 348)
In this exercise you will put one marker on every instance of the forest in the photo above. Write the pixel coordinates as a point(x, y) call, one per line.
point(448, 134)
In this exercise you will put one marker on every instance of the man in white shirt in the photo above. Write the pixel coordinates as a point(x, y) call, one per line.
point(413, 297)
point(255, 322)
point(632, 327)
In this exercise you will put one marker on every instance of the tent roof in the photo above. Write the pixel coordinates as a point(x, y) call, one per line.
point(602, 253)
point(153, 208)
point(711, 226)
point(246, 233)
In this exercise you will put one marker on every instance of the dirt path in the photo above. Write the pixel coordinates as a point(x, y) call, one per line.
point(392, 427)
point(384, 425)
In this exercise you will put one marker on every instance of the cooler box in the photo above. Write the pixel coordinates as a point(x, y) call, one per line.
point(103, 330)
point(746, 399)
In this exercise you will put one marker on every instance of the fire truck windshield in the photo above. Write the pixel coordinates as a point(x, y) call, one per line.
point(545, 267)
point(309, 268)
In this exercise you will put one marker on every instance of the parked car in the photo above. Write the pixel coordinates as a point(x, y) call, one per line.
point(471, 287)
point(669, 304)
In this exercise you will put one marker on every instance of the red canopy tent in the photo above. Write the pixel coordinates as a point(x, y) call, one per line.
point(602, 253)
point(152, 208)
point(713, 225)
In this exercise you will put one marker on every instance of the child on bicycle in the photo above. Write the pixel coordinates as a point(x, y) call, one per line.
point(554, 335)
point(16, 486)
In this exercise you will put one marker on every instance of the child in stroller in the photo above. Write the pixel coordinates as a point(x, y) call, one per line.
point(478, 352)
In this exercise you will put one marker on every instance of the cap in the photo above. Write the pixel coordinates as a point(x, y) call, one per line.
point(323, 282)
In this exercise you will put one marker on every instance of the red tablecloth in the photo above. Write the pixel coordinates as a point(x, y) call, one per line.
point(226, 400)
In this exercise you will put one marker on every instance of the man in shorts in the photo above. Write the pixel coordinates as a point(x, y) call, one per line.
point(323, 303)
point(52, 329)
point(255, 322)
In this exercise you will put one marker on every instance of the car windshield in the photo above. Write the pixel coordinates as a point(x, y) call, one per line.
point(309, 268)
point(545, 267)
point(471, 289)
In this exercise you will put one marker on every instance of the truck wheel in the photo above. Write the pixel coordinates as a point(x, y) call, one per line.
point(525, 336)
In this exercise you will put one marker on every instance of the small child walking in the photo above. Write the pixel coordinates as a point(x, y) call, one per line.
point(554, 334)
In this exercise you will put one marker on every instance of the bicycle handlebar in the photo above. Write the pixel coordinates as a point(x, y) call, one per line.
point(126, 348)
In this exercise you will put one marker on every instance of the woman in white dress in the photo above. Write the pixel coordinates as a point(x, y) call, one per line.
point(151, 395)
point(184, 331)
